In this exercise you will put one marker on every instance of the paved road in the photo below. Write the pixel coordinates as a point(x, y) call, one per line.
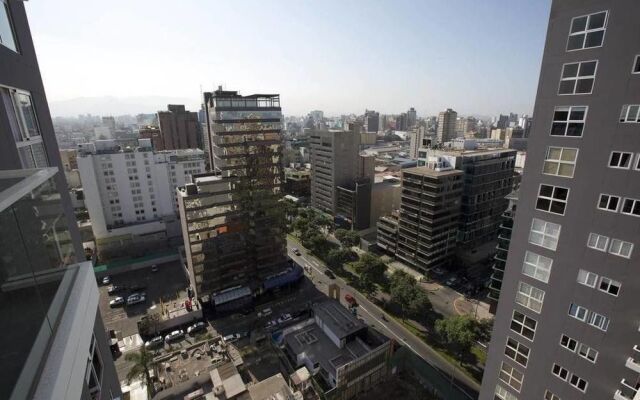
point(372, 315)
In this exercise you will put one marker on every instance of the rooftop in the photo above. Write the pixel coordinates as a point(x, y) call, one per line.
point(426, 171)
point(272, 388)
point(338, 319)
point(463, 152)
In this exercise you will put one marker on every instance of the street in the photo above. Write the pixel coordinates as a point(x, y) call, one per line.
point(372, 315)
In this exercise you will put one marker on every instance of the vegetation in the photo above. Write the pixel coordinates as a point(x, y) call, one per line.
point(347, 238)
point(405, 292)
point(142, 364)
point(460, 332)
point(371, 268)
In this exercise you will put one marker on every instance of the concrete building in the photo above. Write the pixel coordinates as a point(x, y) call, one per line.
point(412, 118)
point(385, 197)
point(334, 162)
point(232, 224)
point(353, 204)
point(446, 125)
point(372, 121)
point(153, 133)
point(420, 138)
point(179, 129)
point(339, 349)
point(297, 182)
point(567, 322)
point(130, 193)
point(110, 123)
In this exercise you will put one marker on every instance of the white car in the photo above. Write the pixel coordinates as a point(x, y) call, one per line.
point(118, 301)
point(234, 337)
point(155, 342)
point(265, 313)
point(106, 280)
point(173, 336)
point(198, 326)
point(271, 324)
point(284, 318)
point(136, 298)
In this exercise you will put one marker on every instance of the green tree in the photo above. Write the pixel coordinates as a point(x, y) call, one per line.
point(458, 331)
point(367, 286)
point(372, 267)
point(401, 289)
point(140, 369)
point(347, 238)
point(336, 257)
point(419, 302)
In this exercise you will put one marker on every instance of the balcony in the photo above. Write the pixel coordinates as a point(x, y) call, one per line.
point(627, 392)
point(632, 362)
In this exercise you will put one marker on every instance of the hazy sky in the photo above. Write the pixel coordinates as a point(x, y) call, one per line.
point(340, 56)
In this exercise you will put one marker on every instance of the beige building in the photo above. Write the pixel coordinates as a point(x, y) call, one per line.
point(447, 121)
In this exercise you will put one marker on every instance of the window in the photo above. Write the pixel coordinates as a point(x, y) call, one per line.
point(7, 36)
point(530, 297)
point(587, 352)
point(609, 286)
point(511, 376)
point(620, 159)
point(560, 372)
point(568, 343)
point(599, 321)
point(578, 312)
point(597, 242)
point(578, 382)
point(631, 207)
point(568, 121)
point(630, 113)
point(608, 202)
point(552, 199)
point(587, 31)
point(578, 78)
point(545, 234)
point(636, 65)
point(560, 161)
point(502, 394)
point(550, 396)
point(537, 266)
point(523, 325)
point(587, 278)
point(517, 351)
point(620, 248)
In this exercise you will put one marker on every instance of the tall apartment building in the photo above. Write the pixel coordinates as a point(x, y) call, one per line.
point(232, 223)
point(153, 133)
point(567, 324)
point(53, 344)
point(412, 118)
point(372, 121)
point(502, 250)
point(131, 192)
point(334, 162)
point(179, 129)
point(446, 125)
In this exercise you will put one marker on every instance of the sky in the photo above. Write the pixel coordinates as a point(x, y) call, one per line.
point(339, 56)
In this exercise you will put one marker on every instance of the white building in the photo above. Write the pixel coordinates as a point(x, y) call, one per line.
point(133, 191)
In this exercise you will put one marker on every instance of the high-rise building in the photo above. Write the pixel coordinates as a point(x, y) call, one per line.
point(372, 121)
point(232, 224)
point(446, 125)
point(567, 321)
point(502, 122)
point(110, 123)
point(179, 129)
point(334, 162)
point(53, 343)
point(502, 250)
point(402, 122)
point(132, 192)
point(412, 118)
point(153, 133)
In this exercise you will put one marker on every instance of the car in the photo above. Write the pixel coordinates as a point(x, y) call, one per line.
point(234, 337)
point(155, 342)
point(284, 318)
point(451, 282)
point(265, 313)
point(106, 280)
point(136, 287)
point(271, 324)
point(114, 289)
point(296, 251)
point(118, 301)
point(330, 274)
point(174, 336)
point(197, 327)
point(136, 298)
point(154, 268)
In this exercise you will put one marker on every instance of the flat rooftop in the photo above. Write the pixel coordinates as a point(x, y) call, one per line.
point(272, 388)
point(463, 152)
point(338, 319)
point(426, 171)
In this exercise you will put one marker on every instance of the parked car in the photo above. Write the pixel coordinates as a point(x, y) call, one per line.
point(271, 324)
point(330, 274)
point(114, 289)
point(451, 282)
point(284, 318)
point(265, 313)
point(234, 337)
point(296, 251)
point(154, 268)
point(174, 336)
point(118, 301)
point(197, 327)
point(136, 298)
point(106, 280)
point(350, 300)
point(137, 286)
point(155, 342)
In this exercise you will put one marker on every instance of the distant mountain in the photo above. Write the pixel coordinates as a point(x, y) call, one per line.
point(111, 105)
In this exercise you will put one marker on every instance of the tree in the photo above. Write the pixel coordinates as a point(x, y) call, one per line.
point(458, 331)
point(336, 257)
point(142, 364)
point(418, 303)
point(372, 267)
point(401, 289)
point(367, 286)
point(347, 238)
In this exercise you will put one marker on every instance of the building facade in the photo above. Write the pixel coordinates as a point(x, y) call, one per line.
point(232, 224)
point(447, 123)
point(179, 129)
point(567, 322)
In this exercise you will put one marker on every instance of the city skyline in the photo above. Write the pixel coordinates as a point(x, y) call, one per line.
point(384, 56)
